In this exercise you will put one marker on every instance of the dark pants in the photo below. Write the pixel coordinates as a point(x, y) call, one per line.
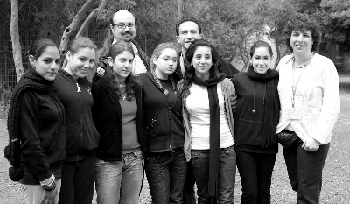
point(189, 196)
point(305, 171)
point(78, 181)
point(227, 172)
point(166, 174)
point(256, 171)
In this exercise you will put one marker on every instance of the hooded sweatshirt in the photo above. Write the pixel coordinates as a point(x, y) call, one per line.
point(82, 136)
point(257, 111)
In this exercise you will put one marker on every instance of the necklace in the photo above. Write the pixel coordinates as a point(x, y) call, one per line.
point(123, 96)
point(295, 83)
point(160, 86)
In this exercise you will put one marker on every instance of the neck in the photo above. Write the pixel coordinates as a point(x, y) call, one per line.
point(119, 79)
point(203, 76)
point(302, 58)
point(69, 71)
point(161, 75)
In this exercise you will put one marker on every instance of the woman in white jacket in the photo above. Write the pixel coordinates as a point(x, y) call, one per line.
point(309, 94)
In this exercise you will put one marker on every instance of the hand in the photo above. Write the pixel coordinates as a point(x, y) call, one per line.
point(49, 197)
point(100, 71)
point(310, 144)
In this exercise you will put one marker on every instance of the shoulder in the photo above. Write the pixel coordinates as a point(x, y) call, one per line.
point(239, 77)
point(322, 60)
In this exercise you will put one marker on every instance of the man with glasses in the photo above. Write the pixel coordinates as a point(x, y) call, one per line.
point(122, 24)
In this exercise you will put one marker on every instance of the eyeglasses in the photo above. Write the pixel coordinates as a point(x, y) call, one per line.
point(166, 59)
point(123, 26)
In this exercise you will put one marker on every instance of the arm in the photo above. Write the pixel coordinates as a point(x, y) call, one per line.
point(32, 152)
point(96, 116)
point(330, 106)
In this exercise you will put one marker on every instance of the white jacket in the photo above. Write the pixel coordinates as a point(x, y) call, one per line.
point(317, 98)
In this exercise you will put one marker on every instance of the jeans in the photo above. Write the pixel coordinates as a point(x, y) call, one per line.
point(166, 174)
point(34, 194)
point(305, 171)
point(119, 181)
point(256, 171)
point(227, 172)
point(78, 181)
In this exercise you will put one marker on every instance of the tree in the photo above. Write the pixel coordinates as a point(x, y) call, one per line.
point(334, 16)
point(16, 47)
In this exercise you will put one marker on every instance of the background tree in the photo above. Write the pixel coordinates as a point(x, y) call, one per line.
point(16, 47)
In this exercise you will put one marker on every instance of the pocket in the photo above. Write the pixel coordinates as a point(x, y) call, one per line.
point(228, 152)
point(89, 137)
point(100, 163)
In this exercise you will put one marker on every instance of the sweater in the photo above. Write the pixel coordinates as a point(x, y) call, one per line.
point(107, 115)
point(228, 91)
point(257, 112)
point(317, 98)
point(82, 136)
point(163, 126)
point(41, 128)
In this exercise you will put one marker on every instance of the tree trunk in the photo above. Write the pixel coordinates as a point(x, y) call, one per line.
point(91, 16)
point(180, 6)
point(16, 47)
point(73, 26)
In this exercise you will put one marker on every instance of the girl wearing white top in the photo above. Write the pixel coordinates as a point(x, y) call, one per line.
point(208, 100)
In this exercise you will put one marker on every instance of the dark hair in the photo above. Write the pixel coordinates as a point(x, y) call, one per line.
point(131, 81)
point(191, 19)
point(39, 47)
point(303, 22)
point(80, 42)
point(260, 43)
point(214, 70)
point(120, 47)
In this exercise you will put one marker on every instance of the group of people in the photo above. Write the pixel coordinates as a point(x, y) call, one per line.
point(185, 116)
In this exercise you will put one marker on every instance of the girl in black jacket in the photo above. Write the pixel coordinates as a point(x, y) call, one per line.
point(117, 114)
point(36, 128)
point(74, 91)
point(256, 118)
point(165, 163)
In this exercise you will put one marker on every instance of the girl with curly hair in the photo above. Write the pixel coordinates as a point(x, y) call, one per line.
point(117, 114)
point(308, 89)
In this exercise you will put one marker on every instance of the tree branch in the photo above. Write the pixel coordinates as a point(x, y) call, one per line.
point(91, 16)
point(73, 26)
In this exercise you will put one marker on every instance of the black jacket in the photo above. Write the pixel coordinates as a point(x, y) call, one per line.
point(82, 136)
point(107, 115)
point(163, 121)
point(257, 112)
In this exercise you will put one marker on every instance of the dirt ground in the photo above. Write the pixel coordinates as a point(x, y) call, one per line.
point(336, 176)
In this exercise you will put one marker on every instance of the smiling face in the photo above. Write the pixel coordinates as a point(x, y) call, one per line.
point(261, 60)
point(122, 65)
point(123, 26)
point(301, 41)
point(202, 61)
point(79, 63)
point(166, 63)
point(47, 64)
point(188, 32)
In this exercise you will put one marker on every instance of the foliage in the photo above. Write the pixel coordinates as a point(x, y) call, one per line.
point(334, 16)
